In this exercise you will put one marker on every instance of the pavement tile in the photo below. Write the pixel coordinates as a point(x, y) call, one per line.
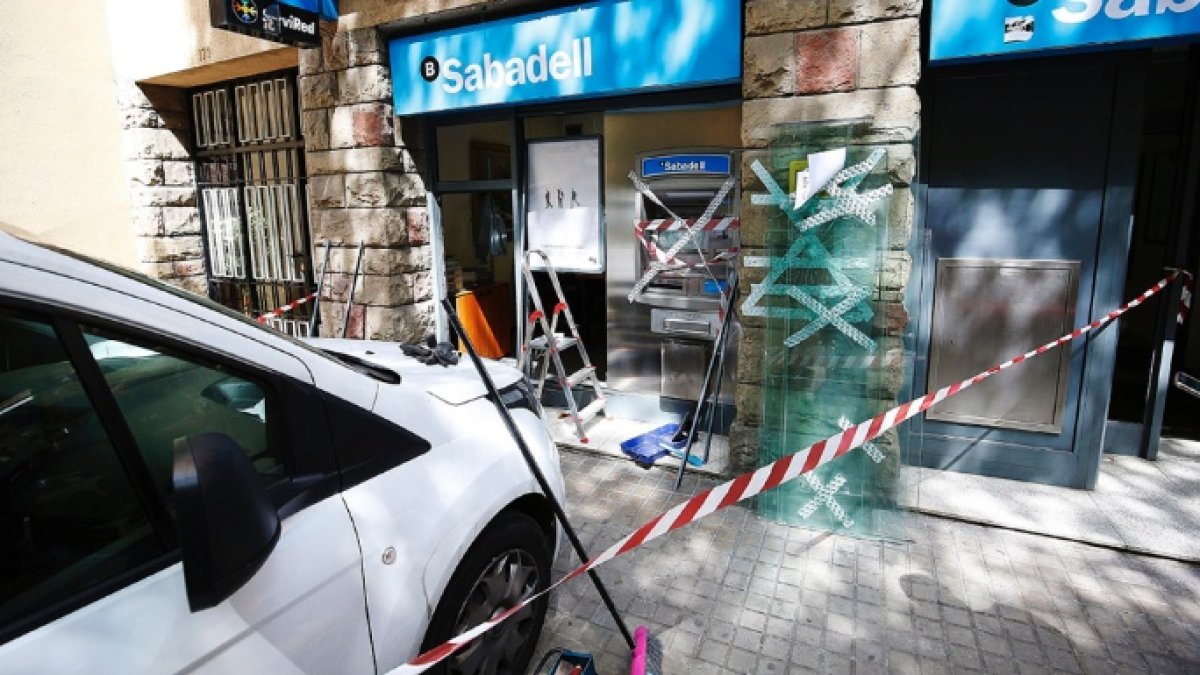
point(807, 656)
point(741, 660)
point(735, 593)
point(935, 668)
point(1165, 665)
point(780, 628)
point(960, 636)
point(720, 631)
point(837, 665)
point(966, 657)
point(770, 666)
point(714, 652)
point(1063, 661)
point(1025, 668)
point(839, 644)
point(839, 623)
point(745, 638)
point(758, 602)
point(903, 663)
point(1027, 651)
point(957, 617)
point(929, 628)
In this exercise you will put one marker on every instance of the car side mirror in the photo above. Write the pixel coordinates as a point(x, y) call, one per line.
point(227, 522)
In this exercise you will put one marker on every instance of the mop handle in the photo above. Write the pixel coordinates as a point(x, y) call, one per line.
point(637, 665)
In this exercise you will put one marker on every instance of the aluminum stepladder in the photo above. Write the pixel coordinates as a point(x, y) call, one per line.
point(551, 345)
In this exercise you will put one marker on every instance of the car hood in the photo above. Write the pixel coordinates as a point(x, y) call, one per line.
point(455, 385)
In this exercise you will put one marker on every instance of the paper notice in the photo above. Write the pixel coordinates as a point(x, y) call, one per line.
point(822, 166)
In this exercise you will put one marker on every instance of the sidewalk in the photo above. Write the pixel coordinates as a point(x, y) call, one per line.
point(1140, 506)
point(734, 593)
point(1137, 506)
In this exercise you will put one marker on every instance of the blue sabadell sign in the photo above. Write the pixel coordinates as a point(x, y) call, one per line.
point(594, 49)
point(974, 29)
point(685, 165)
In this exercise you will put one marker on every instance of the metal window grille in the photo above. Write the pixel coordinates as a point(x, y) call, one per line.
point(253, 197)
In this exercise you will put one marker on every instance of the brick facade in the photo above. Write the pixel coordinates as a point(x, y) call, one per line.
point(829, 60)
point(365, 187)
point(803, 61)
point(162, 184)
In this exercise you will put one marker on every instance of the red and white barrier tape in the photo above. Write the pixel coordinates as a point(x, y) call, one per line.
point(689, 232)
point(285, 309)
point(641, 227)
point(785, 469)
point(672, 224)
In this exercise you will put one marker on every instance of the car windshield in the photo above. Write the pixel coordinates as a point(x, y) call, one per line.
point(184, 295)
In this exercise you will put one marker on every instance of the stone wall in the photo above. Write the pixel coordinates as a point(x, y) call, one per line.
point(162, 184)
point(829, 60)
point(365, 187)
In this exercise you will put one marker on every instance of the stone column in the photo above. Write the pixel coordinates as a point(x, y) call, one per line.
point(162, 184)
point(829, 60)
point(364, 187)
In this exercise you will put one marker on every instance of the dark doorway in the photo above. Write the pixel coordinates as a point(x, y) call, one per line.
point(1161, 238)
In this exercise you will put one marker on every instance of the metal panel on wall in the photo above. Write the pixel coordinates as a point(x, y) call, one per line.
point(1014, 171)
point(985, 307)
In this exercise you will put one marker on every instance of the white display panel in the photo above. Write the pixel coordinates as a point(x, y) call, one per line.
point(563, 203)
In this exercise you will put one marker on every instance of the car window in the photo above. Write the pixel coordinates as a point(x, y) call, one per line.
point(69, 515)
point(165, 397)
point(191, 298)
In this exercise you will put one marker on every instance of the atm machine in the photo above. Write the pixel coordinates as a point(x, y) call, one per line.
point(661, 343)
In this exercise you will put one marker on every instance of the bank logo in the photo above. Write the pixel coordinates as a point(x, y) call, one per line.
point(246, 10)
point(430, 69)
point(271, 19)
point(573, 62)
point(1018, 29)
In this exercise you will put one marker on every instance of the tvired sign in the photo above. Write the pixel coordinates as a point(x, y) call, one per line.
point(595, 49)
point(969, 29)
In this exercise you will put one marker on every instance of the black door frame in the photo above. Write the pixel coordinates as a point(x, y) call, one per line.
point(1183, 249)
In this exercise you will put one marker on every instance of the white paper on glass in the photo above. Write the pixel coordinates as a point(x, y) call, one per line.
point(562, 202)
point(822, 166)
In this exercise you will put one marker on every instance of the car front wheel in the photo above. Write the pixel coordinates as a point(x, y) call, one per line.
point(508, 563)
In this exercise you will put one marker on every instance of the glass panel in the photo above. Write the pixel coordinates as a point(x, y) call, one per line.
point(69, 517)
point(479, 151)
point(164, 398)
point(825, 295)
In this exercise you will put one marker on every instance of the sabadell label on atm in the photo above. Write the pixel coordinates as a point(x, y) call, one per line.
point(685, 165)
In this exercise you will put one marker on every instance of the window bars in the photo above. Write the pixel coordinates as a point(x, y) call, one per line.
point(252, 196)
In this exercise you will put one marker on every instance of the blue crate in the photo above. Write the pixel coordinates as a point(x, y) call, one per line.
point(649, 447)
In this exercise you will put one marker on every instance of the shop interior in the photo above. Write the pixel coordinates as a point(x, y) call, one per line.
point(482, 169)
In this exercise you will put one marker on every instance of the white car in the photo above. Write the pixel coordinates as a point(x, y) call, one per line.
point(182, 489)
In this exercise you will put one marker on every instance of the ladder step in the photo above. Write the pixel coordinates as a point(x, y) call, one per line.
point(561, 342)
point(580, 375)
point(592, 409)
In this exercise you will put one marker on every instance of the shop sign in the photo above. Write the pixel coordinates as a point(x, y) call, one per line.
point(292, 22)
point(987, 28)
point(598, 48)
point(326, 8)
point(685, 165)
